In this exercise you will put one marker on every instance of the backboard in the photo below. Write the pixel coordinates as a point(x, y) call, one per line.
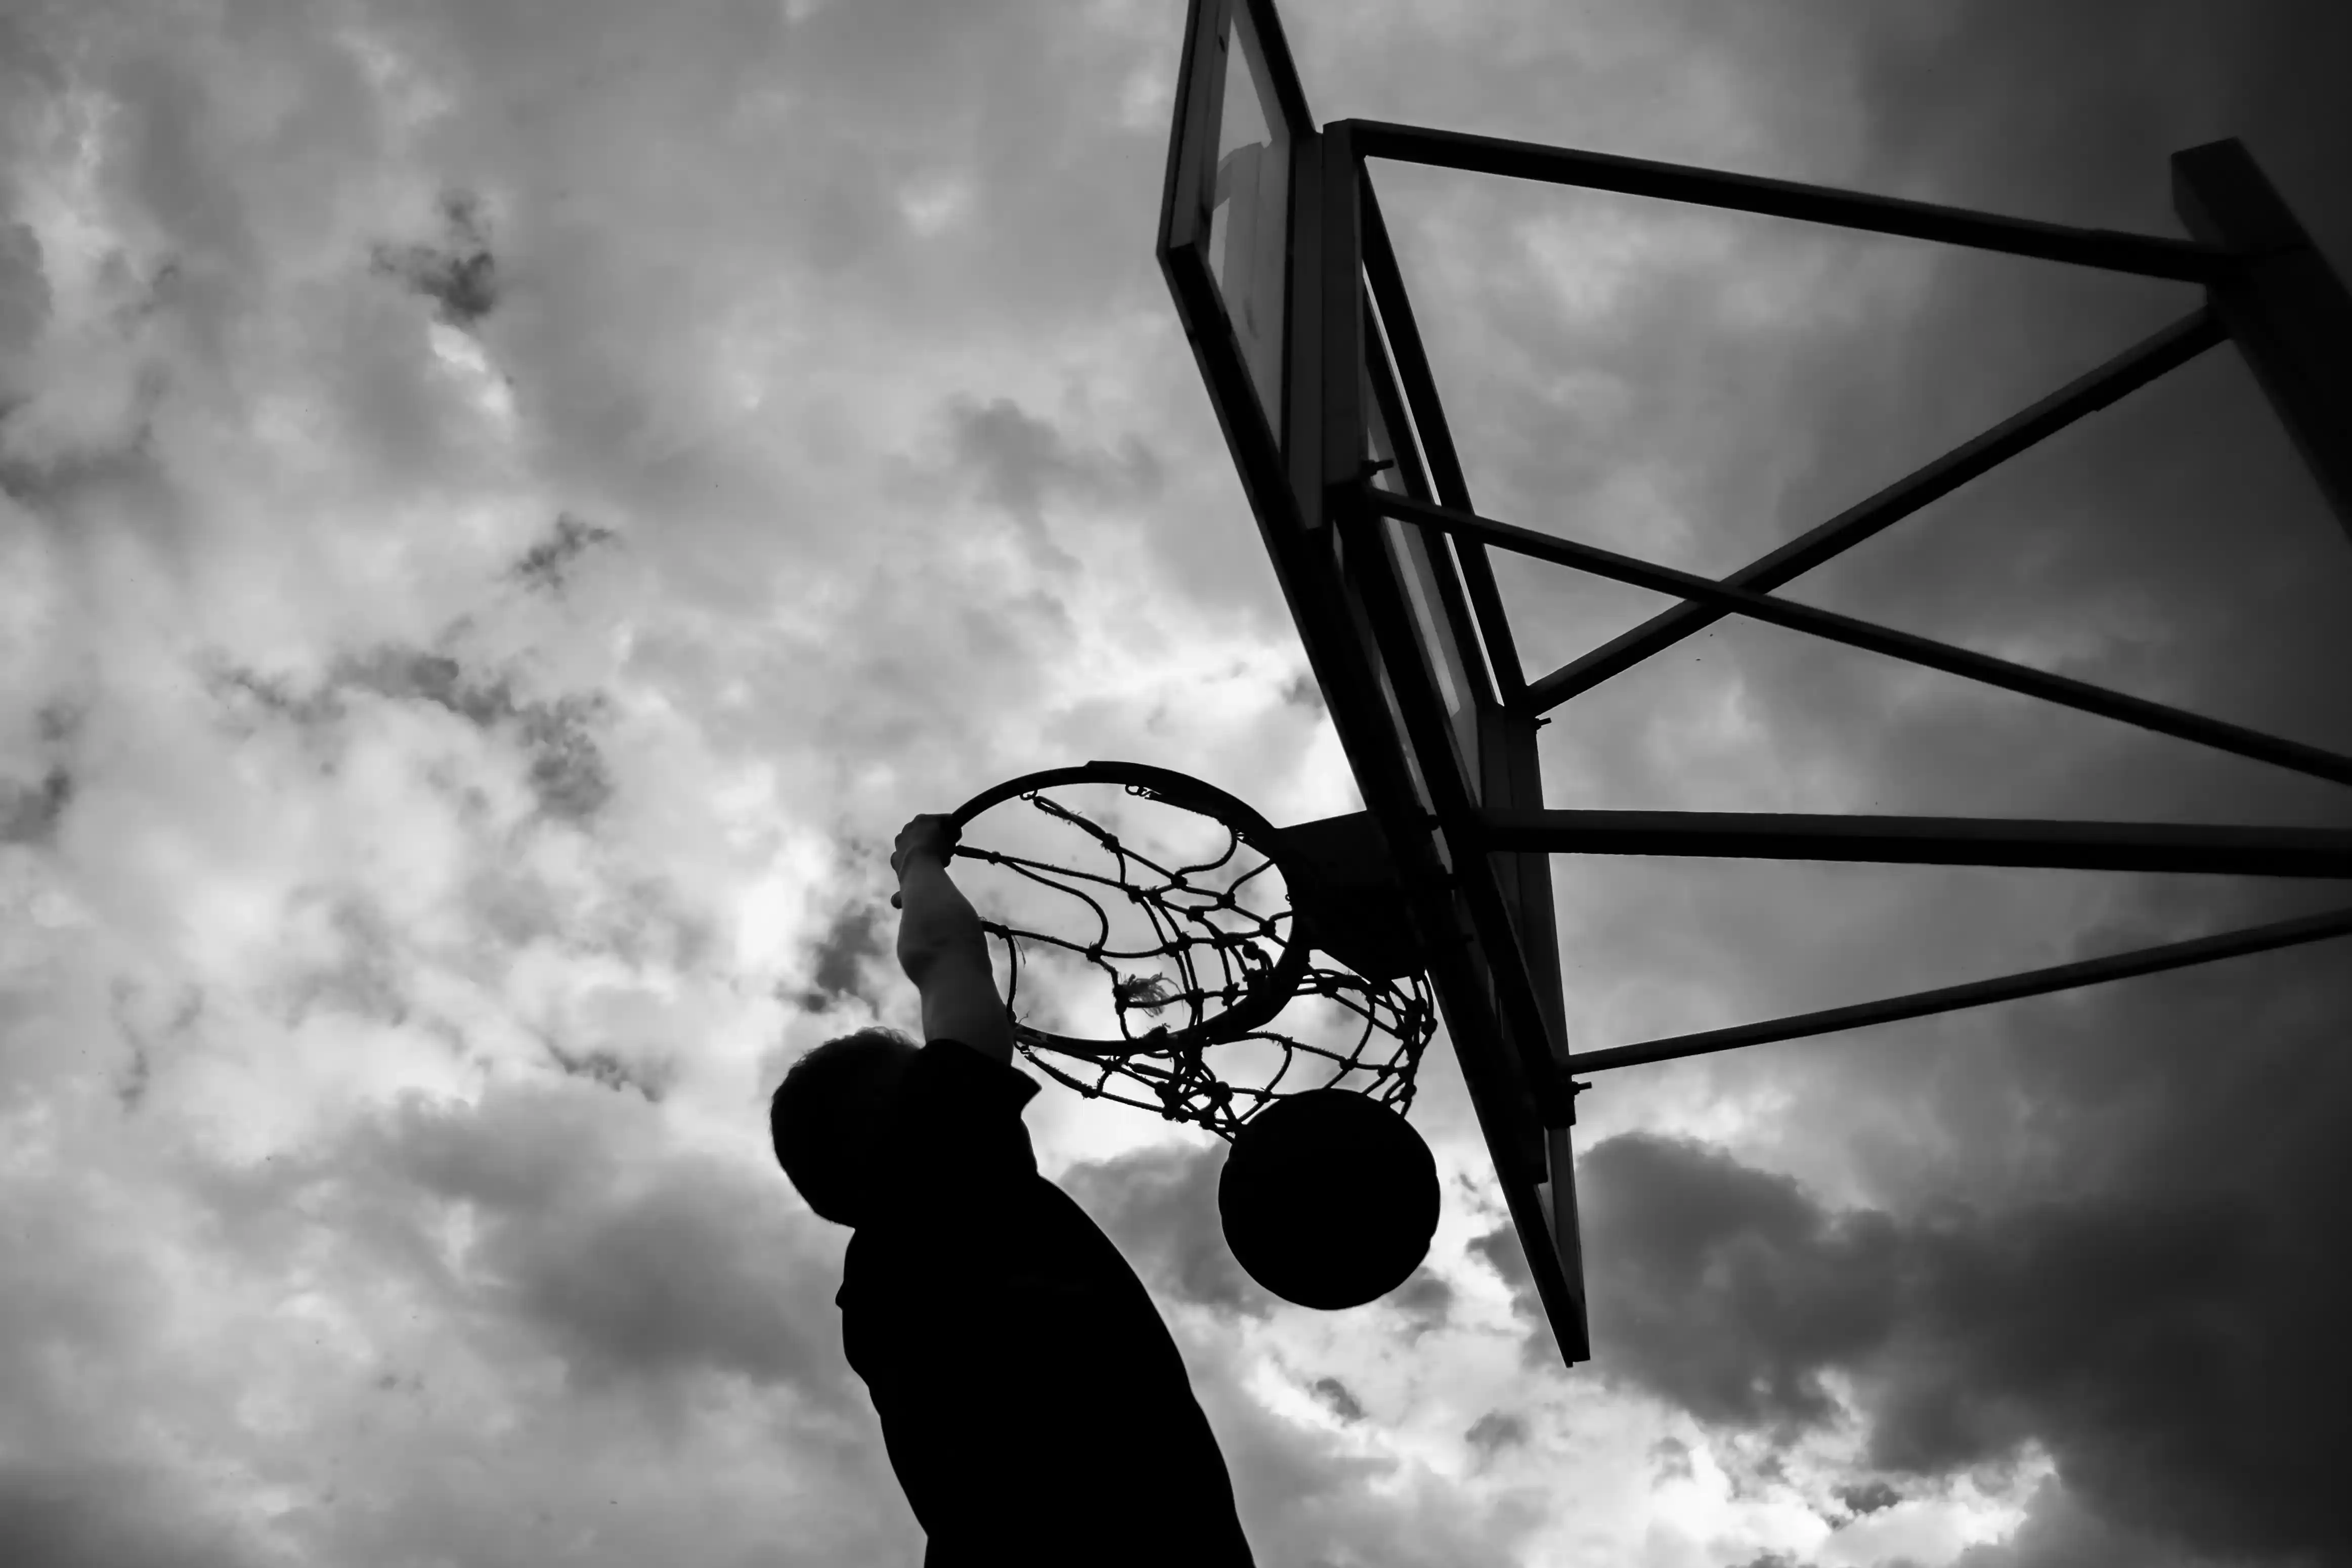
point(1272, 245)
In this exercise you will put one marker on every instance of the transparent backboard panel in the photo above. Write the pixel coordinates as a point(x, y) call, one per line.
point(1249, 215)
point(1419, 558)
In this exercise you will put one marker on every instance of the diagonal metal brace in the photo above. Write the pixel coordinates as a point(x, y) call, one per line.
point(2024, 680)
point(2125, 372)
point(1974, 993)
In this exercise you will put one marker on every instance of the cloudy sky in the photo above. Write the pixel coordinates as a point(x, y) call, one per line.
point(505, 506)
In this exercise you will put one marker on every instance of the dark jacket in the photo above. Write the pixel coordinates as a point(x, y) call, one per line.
point(1036, 1409)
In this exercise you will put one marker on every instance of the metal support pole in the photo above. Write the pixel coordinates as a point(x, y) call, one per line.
point(2147, 255)
point(1929, 841)
point(1418, 387)
point(1329, 433)
point(2283, 305)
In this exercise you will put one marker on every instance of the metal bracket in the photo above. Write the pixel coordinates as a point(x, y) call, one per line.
point(1560, 1107)
point(1350, 896)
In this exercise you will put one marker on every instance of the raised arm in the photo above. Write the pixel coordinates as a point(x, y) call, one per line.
point(941, 945)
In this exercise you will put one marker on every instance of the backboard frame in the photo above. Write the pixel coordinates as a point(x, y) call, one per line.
point(1485, 920)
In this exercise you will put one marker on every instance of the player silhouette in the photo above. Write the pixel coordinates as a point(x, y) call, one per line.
point(1034, 1407)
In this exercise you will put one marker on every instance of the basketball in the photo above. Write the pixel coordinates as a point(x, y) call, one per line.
point(1329, 1199)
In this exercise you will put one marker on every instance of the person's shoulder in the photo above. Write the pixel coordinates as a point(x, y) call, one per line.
point(958, 1110)
point(950, 1061)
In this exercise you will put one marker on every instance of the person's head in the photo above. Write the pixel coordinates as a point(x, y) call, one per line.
point(825, 1117)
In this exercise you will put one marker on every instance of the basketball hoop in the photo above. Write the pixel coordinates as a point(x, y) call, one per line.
point(1222, 965)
